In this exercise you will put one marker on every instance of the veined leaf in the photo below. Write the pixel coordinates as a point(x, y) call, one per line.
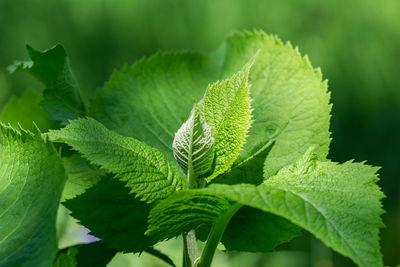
point(193, 209)
point(339, 204)
point(151, 99)
point(193, 146)
point(226, 108)
point(145, 170)
point(62, 97)
point(183, 211)
point(31, 181)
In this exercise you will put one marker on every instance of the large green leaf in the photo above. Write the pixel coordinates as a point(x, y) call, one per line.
point(193, 209)
point(61, 97)
point(31, 181)
point(152, 98)
point(146, 171)
point(113, 214)
point(25, 111)
point(339, 204)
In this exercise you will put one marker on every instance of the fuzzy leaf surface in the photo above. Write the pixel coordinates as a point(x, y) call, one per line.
point(61, 97)
point(31, 181)
point(145, 170)
point(226, 108)
point(339, 204)
point(193, 145)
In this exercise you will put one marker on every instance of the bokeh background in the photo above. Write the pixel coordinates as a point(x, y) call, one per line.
point(356, 43)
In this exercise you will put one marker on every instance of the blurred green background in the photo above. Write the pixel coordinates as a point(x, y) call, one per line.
point(356, 43)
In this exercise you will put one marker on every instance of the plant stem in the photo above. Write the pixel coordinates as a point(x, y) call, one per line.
point(189, 239)
point(215, 236)
point(189, 249)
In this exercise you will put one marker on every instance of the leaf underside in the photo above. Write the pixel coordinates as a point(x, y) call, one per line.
point(193, 145)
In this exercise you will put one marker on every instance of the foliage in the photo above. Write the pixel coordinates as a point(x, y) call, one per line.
point(265, 112)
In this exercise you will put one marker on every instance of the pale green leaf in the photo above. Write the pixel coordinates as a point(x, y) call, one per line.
point(339, 204)
point(193, 145)
point(31, 181)
point(145, 170)
point(226, 108)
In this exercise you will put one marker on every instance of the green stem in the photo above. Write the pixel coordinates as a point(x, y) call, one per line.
point(189, 249)
point(189, 239)
point(215, 236)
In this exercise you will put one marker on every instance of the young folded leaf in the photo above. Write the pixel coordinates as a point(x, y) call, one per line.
point(226, 108)
point(193, 147)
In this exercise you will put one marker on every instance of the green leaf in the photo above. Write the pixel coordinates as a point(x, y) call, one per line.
point(193, 145)
point(91, 255)
point(31, 181)
point(290, 102)
point(62, 97)
point(114, 215)
point(145, 170)
point(226, 108)
point(339, 204)
point(25, 110)
point(151, 99)
point(257, 231)
point(183, 211)
point(193, 209)
point(81, 176)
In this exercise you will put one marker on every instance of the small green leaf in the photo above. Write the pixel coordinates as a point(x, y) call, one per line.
point(193, 146)
point(226, 108)
point(113, 214)
point(25, 111)
point(145, 170)
point(91, 255)
point(61, 97)
point(339, 204)
point(31, 181)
